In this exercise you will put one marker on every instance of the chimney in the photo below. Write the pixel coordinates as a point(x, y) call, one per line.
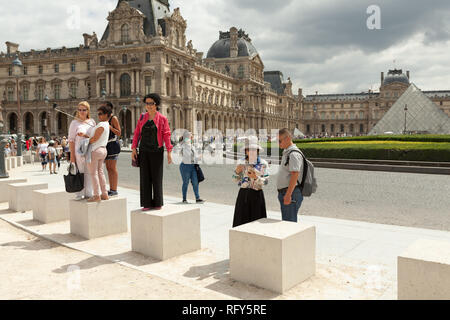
point(233, 42)
point(382, 78)
point(11, 47)
point(300, 92)
point(407, 74)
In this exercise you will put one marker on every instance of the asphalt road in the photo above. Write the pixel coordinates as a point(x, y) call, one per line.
point(404, 199)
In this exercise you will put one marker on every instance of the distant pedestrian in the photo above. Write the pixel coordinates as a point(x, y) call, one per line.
point(113, 149)
point(52, 157)
point(29, 143)
point(289, 177)
point(59, 154)
point(42, 149)
point(13, 147)
point(7, 150)
point(190, 158)
point(251, 175)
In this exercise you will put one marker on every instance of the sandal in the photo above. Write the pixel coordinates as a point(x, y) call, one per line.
point(94, 199)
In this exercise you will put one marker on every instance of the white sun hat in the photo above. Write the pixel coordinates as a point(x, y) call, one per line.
point(251, 143)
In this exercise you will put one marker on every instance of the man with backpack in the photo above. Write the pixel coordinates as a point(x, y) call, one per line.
point(290, 176)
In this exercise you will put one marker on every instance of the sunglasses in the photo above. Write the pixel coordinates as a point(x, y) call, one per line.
point(82, 110)
point(150, 103)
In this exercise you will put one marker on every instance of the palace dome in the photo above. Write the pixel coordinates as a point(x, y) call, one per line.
point(221, 48)
point(396, 76)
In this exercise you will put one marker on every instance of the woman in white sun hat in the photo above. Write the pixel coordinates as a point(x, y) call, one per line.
point(251, 175)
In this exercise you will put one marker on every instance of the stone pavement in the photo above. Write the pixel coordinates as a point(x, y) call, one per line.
point(355, 260)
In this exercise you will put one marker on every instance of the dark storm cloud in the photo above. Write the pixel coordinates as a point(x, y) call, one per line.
point(333, 26)
point(321, 45)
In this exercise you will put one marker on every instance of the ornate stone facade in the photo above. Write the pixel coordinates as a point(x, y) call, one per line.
point(143, 49)
point(358, 113)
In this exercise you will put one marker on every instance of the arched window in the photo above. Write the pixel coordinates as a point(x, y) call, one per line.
point(125, 85)
point(124, 59)
point(102, 60)
point(125, 33)
point(13, 123)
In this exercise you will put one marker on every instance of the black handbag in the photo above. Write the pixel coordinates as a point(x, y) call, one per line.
point(136, 163)
point(200, 175)
point(74, 182)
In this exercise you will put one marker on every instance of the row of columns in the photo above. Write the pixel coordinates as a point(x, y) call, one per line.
point(113, 83)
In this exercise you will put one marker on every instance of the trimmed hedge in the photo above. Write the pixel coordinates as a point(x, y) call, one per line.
point(394, 150)
point(434, 152)
point(418, 137)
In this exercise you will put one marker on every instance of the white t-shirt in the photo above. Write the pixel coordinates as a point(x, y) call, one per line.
point(43, 147)
point(103, 140)
point(53, 152)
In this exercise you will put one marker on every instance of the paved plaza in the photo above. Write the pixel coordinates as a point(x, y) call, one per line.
point(355, 260)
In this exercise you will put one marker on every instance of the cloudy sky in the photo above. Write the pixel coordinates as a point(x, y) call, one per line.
point(323, 46)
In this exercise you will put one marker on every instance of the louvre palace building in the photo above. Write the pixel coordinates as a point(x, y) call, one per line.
point(143, 50)
point(357, 113)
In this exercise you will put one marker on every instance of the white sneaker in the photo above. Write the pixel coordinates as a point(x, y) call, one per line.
point(79, 198)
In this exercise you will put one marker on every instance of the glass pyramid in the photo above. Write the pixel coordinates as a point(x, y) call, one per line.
point(422, 116)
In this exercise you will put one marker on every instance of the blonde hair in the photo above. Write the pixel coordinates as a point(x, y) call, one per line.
point(84, 104)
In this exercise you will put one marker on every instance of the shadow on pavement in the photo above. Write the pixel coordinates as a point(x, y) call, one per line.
point(63, 237)
point(32, 245)
point(30, 223)
point(7, 211)
point(226, 285)
point(129, 257)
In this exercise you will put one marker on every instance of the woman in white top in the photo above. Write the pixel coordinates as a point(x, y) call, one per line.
point(98, 141)
point(52, 157)
point(43, 150)
point(83, 124)
point(187, 167)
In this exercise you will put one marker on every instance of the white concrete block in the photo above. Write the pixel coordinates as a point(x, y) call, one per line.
point(13, 162)
point(19, 161)
point(21, 195)
point(166, 233)
point(98, 219)
point(4, 187)
point(51, 205)
point(8, 164)
point(423, 271)
point(273, 254)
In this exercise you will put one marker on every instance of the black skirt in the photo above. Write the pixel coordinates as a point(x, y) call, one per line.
point(250, 206)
